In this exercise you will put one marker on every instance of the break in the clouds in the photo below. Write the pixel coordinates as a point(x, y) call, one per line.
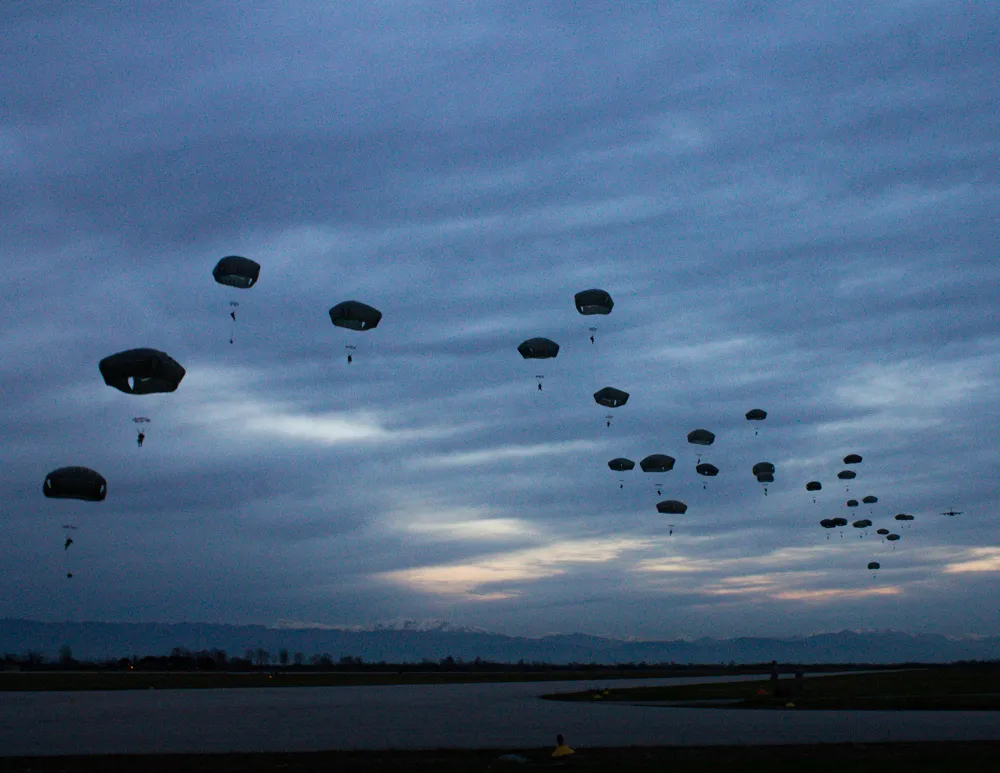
point(793, 208)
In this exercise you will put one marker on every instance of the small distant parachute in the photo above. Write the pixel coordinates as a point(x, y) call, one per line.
point(827, 523)
point(852, 459)
point(852, 503)
point(814, 485)
point(892, 537)
point(621, 464)
point(610, 397)
point(236, 271)
point(671, 507)
point(763, 468)
point(847, 475)
point(707, 469)
point(883, 532)
point(355, 315)
point(701, 437)
point(657, 463)
point(538, 349)
point(870, 500)
point(75, 483)
point(839, 521)
point(903, 517)
point(756, 414)
point(873, 565)
point(141, 372)
point(862, 524)
point(593, 302)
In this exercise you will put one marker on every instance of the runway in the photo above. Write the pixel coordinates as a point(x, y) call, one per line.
point(502, 715)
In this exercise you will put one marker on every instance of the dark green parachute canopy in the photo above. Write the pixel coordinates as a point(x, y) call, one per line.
point(756, 414)
point(235, 271)
point(538, 349)
point(852, 459)
point(75, 483)
point(847, 474)
point(814, 485)
point(594, 302)
point(707, 469)
point(621, 464)
point(611, 397)
point(763, 467)
point(870, 500)
point(852, 503)
point(883, 532)
point(874, 565)
point(863, 524)
point(903, 517)
point(827, 523)
point(765, 477)
point(355, 315)
point(840, 522)
point(892, 537)
point(657, 463)
point(141, 372)
point(701, 437)
point(671, 507)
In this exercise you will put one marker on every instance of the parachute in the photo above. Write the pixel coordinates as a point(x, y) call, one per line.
point(892, 537)
point(234, 271)
point(355, 315)
point(883, 532)
point(847, 475)
point(610, 397)
point(756, 414)
point(852, 459)
point(814, 485)
point(852, 503)
point(538, 349)
point(903, 517)
point(873, 565)
point(763, 468)
point(701, 437)
point(593, 302)
point(870, 500)
point(75, 483)
point(827, 523)
point(708, 470)
point(671, 507)
point(141, 372)
point(657, 463)
point(839, 521)
point(621, 464)
point(862, 524)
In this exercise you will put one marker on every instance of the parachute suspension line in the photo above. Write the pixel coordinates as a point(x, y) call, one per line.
point(233, 305)
point(350, 352)
point(593, 331)
point(539, 378)
point(607, 419)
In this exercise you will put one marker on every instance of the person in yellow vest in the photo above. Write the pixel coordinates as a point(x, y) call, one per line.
point(562, 750)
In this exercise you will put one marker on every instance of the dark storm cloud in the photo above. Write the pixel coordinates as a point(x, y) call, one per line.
point(793, 209)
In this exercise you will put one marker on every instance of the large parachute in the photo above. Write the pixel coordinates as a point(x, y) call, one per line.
point(593, 302)
point(701, 437)
point(538, 349)
point(657, 463)
point(611, 397)
point(671, 507)
point(621, 464)
point(847, 475)
point(141, 372)
point(870, 499)
point(355, 315)
point(873, 565)
point(236, 271)
point(852, 459)
point(75, 483)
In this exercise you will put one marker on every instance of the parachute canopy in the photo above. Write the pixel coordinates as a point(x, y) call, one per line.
point(75, 483)
point(593, 302)
point(756, 414)
point(701, 437)
point(235, 271)
point(141, 372)
point(839, 521)
point(765, 477)
point(874, 565)
point(870, 499)
point(852, 503)
point(671, 507)
point(883, 532)
point(827, 523)
point(903, 517)
point(847, 474)
point(707, 469)
point(814, 485)
point(657, 463)
point(611, 397)
point(852, 459)
point(892, 537)
point(763, 468)
point(863, 524)
point(355, 315)
point(621, 464)
point(538, 349)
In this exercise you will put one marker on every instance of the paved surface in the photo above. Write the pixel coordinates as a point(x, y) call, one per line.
point(424, 717)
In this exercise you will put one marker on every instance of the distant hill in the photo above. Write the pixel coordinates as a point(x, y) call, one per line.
point(413, 641)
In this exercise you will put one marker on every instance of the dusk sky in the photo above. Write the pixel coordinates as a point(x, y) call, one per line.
point(795, 206)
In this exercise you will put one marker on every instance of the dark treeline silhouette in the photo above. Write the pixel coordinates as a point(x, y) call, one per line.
point(181, 659)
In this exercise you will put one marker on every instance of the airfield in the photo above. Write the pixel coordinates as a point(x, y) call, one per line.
point(499, 716)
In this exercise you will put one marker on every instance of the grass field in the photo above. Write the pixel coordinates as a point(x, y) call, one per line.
point(967, 757)
point(946, 687)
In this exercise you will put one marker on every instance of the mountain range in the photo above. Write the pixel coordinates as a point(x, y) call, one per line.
point(415, 641)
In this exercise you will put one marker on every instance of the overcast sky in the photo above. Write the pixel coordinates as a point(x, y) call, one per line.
point(794, 206)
